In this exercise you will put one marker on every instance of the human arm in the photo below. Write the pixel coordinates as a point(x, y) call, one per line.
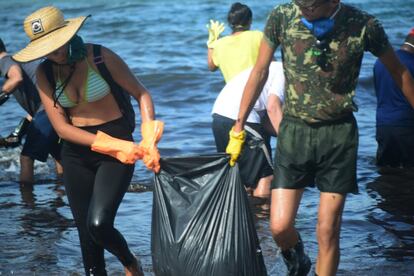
point(274, 111)
point(210, 63)
point(13, 80)
point(399, 73)
point(254, 84)
point(123, 75)
point(125, 151)
point(251, 92)
point(151, 129)
point(57, 115)
point(215, 28)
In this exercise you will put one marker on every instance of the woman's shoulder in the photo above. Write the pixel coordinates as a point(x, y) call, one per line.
point(106, 53)
point(246, 34)
point(255, 33)
point(253, 36)
point(90, 48)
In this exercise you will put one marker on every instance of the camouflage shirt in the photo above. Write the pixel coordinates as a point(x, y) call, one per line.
point(314, 93)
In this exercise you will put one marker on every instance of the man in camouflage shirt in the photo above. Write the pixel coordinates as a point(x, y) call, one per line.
point(318, 137)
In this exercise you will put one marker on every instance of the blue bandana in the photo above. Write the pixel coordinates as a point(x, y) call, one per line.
point(321, 27)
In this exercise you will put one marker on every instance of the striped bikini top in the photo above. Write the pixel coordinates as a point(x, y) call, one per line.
point(95, 88)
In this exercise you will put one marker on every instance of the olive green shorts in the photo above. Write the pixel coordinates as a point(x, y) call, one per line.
point(324, 154)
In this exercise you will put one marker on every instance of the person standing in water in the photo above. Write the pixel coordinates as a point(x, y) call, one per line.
point(322, 44)
point(98, 152)
point(395, 116)
point(41, 139)
point(234, 54)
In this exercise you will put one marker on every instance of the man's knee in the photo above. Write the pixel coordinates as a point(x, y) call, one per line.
point(279, 229)
point(328, 234)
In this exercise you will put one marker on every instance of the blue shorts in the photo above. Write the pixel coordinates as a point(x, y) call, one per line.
point(41, 139)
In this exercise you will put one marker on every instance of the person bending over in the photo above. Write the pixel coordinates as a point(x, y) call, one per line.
point(98, 152)
point(268, 105)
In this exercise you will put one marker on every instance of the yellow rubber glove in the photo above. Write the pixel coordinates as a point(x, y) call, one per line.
point(214, 30)
point(125, 151)
point(235, 145)
point(151, 132)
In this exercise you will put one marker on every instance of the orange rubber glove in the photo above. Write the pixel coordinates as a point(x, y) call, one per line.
point(235, 145)
point(125, 151)
point(151, 132)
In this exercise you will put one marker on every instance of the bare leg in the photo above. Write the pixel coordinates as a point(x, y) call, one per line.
point(26, 169)
point(283, 208)
point(262, 192)
point(248, 190)
point(134, 269)
point(328, 229)
point(59, 168)
point(263, 187)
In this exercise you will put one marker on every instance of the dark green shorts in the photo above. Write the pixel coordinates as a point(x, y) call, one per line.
point(324, 154)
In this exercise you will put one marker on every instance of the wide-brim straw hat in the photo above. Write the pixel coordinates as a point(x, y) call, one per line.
point(48, 31)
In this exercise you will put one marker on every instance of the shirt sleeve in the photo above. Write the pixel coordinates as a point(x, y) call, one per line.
point(5, 63)
point(376, 40)
point(272, 29)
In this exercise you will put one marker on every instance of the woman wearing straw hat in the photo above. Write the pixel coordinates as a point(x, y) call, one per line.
point(98, 153)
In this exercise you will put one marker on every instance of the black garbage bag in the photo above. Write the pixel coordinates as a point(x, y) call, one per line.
point(201, 221)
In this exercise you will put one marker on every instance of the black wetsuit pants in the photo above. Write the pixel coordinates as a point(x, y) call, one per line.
point(95, 185)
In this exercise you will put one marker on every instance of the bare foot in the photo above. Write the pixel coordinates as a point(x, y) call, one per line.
point(135, 269)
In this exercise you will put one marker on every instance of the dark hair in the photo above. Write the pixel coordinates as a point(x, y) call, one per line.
point(76, 52)
point(2, 47)
point(239, 17)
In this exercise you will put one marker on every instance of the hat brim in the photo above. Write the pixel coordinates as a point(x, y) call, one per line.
point(51, 42)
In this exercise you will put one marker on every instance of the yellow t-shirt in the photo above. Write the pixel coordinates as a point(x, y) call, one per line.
point(235, 53)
